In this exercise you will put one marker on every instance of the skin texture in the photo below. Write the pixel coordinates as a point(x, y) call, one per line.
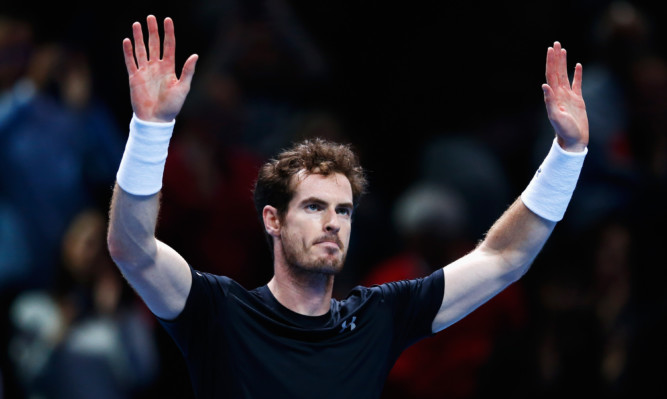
point(310, 242)
point(158, 273)
point(564, 102)
point(156, 93)
point(516, 238)
point(311, 239)
point(316, 229)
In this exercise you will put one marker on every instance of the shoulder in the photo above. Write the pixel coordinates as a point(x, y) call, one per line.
point(427, 288)
point(209, 291)
point(209, 296)
point(210, 281)
point(433, 284)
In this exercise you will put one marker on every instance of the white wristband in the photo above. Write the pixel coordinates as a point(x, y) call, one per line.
point(549, 192)
point(142, 165)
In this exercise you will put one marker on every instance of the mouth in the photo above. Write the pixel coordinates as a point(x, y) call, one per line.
point(330, 241)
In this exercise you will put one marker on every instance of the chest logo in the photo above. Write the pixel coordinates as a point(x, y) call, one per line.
point(352, 326)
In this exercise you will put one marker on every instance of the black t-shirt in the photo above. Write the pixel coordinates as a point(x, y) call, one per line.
point(245, 344)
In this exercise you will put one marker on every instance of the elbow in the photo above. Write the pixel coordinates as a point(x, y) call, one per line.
point(512, 272)
point(513, 264)
point(519, 271)
point(115, 248)
point(126, 252)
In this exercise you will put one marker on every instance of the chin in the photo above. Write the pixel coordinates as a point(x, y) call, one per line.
point(317, 262)
point(329, 267)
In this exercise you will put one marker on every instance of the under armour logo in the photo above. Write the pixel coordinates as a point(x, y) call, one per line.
point(351, 325)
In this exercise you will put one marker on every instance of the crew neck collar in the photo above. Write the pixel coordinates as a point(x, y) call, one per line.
point(295, 318)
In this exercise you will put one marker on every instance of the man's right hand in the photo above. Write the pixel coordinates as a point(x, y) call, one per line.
point(157, 94)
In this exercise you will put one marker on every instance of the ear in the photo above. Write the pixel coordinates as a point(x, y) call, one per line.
point(271, 221)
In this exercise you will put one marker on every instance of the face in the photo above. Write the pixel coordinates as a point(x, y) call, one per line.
point(316, 228)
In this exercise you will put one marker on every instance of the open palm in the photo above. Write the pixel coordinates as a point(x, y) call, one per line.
point(565, 103)
point(157, 94)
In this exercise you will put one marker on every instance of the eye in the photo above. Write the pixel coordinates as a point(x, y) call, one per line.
point(313, 207)
point(344, 211)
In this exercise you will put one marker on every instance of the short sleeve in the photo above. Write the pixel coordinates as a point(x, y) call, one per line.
point(415, 303)
point(206, 295)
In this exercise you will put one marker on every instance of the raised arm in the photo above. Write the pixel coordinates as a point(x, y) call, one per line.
point(159, 275)
point(516, 238)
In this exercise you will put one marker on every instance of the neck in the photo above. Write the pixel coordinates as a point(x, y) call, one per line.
point(301, 291)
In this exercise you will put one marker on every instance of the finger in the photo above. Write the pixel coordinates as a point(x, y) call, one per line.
point(551, 105)
point(188, 70)
point(139, 47)
point(563, 79)
point(130, 63)
point(576, 81)
point(153, 38)
point(551, 75)
point(169, 49)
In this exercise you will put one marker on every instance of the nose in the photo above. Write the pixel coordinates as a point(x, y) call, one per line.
point(331, 222)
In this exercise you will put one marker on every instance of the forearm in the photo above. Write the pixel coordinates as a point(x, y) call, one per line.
point(517, 237)
point(132, 221)
point(135, 201)
point(502, 258)
point(505, 254)
point(158, 273)
point(520, 233)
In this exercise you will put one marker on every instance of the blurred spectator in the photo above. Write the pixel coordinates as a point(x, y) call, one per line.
point(88, 338)
point(467, 166)
point(15, 47)
point(624, 86)
point(433, 223)
point(648, 108)
point(59, 147)
point(13, 246)
point(591, 318)
point(599, 313)
point(615, 305)
point(265, 62)
point(462, 190)
point(207, 191)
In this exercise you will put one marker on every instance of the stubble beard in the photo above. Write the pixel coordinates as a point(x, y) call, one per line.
point(297, 260)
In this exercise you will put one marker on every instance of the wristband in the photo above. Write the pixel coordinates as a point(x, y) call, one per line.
point(549, 192)
point(142, 165)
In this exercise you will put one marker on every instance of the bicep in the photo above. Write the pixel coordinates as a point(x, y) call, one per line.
point(470, 282)
point(164, 284)
point(160, 276)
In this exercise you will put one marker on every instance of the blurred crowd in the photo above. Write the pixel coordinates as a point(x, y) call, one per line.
point(588, 319)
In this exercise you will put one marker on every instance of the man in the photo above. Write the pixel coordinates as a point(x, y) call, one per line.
point(290, 338)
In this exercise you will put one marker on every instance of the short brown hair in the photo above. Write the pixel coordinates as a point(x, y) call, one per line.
point(314, 156)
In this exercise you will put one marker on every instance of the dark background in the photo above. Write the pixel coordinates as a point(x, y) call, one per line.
point(398, 74)
point(398, 78)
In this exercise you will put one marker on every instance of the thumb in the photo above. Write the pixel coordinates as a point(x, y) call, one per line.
point(546, 89)
point(188, 70)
